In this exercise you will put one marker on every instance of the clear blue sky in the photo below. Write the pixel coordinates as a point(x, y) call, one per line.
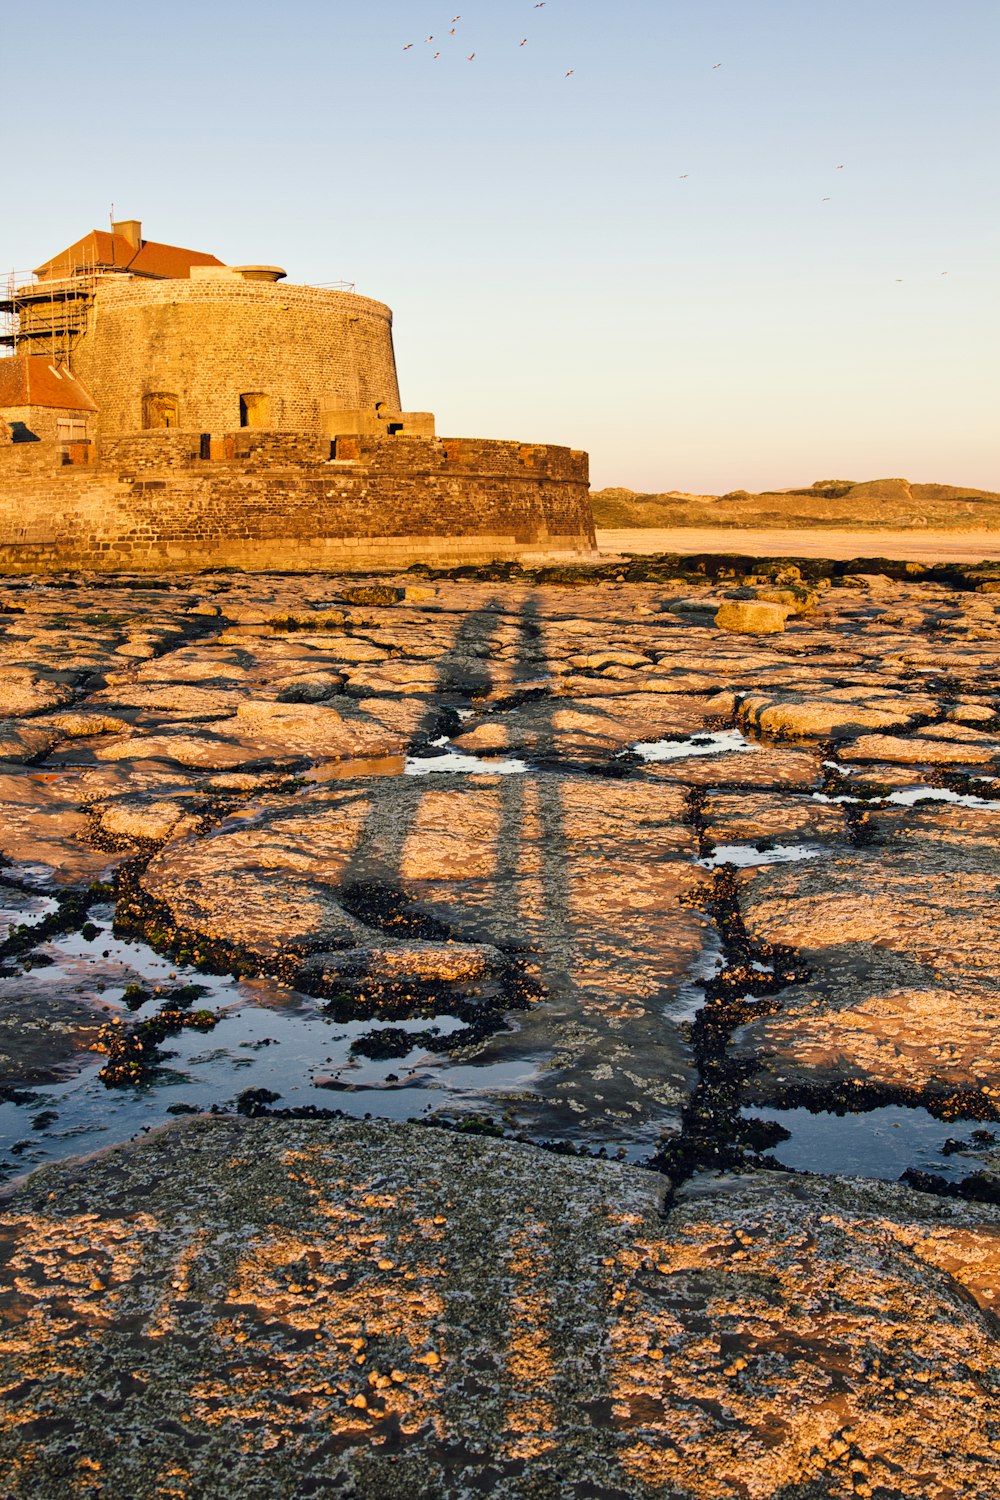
point(637, 259)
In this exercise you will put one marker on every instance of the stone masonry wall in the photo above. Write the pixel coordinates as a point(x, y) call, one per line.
point(212, 339)
point(400, 501)
point(162, 449)
point(42, 422)
point(23, 461)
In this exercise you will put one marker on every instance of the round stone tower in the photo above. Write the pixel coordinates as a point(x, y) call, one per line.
point(232, 347)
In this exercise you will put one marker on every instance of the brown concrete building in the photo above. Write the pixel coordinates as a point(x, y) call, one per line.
point(134, 372)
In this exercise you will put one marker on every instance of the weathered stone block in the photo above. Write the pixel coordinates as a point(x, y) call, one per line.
point(751, 617)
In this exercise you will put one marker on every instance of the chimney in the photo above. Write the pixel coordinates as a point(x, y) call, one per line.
point(131, 230)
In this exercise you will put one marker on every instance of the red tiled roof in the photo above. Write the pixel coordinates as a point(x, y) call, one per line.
point(31, 380)
point(99, 250)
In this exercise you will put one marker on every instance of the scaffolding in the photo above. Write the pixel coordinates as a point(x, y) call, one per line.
point(47, 316)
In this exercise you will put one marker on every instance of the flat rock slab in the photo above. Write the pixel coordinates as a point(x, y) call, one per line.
point(22, 742)
point(934, 1040)
point(236, 1310)
point(582, 885)
point(925, 749)
point(44, 832)
point(23, 693)
point(146, 819)
point(799, 716)
point(904, 959)
point(753, 766)
point(931, 902)
point(749, 817)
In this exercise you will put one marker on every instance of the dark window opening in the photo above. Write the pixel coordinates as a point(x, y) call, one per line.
point(255, 409)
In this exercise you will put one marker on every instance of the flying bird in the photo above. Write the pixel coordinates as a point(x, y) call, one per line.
point(683, 177)
point(408, 47)
point(570, 73)
point(824, 200)
point(716, 65)
point(470, 57)
point(523, 42)
point(428, 39)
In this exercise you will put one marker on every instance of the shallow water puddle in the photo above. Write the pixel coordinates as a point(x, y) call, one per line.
point(719, 742)
point(879, 1143)
point(117, 962)
point(22, 909)
point(32, 876)
point(747, 856)
point(912, 796)
point(293, 1051)
point(268, 1036)
point(458, 761)
point(342, 770)
point(690, 998)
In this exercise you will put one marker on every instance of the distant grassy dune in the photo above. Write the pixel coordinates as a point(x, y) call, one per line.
point(878, 504)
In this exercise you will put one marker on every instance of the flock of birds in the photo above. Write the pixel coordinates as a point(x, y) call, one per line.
point(570, 72)
point(453, 31)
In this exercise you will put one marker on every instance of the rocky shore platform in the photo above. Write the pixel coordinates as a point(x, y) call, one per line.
point(500, 1032)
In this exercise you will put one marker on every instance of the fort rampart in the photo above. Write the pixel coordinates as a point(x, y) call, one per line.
point(286, 501)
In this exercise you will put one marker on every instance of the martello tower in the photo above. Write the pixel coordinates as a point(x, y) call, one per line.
point(160, 336)
point(160, 410)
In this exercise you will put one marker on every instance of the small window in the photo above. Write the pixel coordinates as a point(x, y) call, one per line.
point(160, 409)
point(71, 430)
point(255, 409)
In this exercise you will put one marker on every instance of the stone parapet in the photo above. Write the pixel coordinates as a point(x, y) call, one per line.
point(151, 503)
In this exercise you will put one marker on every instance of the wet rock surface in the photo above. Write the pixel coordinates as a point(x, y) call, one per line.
point(552, 857)
point(252, 1308)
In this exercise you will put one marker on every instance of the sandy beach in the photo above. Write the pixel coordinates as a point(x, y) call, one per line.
point(909, 546)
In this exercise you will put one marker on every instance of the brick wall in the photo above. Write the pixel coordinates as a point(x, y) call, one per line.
point(402, 501)
point(212, 339)
point(162, 449)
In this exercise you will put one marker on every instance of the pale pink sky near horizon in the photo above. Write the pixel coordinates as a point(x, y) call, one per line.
point(740, 246)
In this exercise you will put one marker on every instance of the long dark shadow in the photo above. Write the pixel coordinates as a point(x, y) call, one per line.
point(462, 675)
